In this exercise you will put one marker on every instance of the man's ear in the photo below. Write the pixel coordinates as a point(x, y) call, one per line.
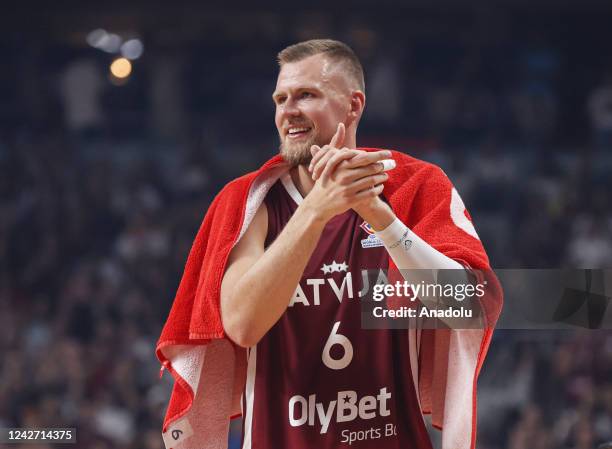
point(357, 105)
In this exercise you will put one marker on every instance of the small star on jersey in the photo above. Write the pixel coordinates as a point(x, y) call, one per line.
point(334, 267)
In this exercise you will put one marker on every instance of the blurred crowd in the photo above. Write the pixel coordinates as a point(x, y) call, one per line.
point(103, 187)
point(547, 391)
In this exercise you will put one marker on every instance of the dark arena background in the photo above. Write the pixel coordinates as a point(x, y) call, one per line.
point(119, 123)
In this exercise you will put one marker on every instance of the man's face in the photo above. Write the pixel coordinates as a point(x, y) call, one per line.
point(312, 96)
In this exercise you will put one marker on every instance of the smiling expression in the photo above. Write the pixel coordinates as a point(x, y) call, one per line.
point(312, 96)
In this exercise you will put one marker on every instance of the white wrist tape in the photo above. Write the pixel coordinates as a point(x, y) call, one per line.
point(409, 251)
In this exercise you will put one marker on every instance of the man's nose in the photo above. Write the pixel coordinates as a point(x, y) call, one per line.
point(291, 108)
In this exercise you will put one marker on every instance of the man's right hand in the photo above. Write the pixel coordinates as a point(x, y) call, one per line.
point(336, 191)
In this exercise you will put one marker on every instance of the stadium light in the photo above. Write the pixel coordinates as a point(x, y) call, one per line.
point(121, 68)
point(132, 49)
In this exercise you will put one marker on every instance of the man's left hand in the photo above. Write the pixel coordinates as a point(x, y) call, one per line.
point(335, 161)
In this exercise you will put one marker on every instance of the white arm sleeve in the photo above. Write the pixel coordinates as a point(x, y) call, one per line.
point(419, 261)
point(409, 251)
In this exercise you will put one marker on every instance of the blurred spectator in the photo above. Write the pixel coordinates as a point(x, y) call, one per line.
point(81, 87)
point(600, 113)
point(590, 244)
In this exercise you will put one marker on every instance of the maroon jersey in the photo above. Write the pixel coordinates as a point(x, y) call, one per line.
point(316, 379)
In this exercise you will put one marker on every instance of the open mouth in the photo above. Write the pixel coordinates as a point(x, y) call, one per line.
point(297, 132)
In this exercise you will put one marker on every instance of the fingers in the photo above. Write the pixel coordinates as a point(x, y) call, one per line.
point(318, 162)
point(338, 140)
point(369, 182)
point(364, 158)
point(338, 162)
point(369, 193)
point(314, 150)
point(349, 159)
point(353, 174)
point(317, 154)
point(348, 175)
point(333, 157)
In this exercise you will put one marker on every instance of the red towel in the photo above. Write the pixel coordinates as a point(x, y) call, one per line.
point(210, 371)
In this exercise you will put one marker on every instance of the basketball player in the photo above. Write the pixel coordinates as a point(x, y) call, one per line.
point(315, 379)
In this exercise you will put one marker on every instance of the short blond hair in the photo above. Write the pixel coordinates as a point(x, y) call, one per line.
point(336, 51)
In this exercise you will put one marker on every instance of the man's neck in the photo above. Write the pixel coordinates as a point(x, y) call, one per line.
point(302, 179)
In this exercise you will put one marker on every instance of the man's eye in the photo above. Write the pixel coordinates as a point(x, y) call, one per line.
point(280, 100)
point(307, 95)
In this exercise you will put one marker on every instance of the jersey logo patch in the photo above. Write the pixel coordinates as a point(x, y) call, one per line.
point(367, 228)
point(372, 241)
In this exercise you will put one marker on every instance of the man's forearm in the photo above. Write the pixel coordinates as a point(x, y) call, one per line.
point(262, 294)
point(419, 262)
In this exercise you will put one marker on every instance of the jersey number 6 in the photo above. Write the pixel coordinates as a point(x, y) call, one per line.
point(337, 339)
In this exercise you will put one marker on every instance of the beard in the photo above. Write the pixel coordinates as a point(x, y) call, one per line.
point(297, 153)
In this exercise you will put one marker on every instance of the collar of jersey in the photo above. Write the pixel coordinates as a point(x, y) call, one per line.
point(291, 189)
